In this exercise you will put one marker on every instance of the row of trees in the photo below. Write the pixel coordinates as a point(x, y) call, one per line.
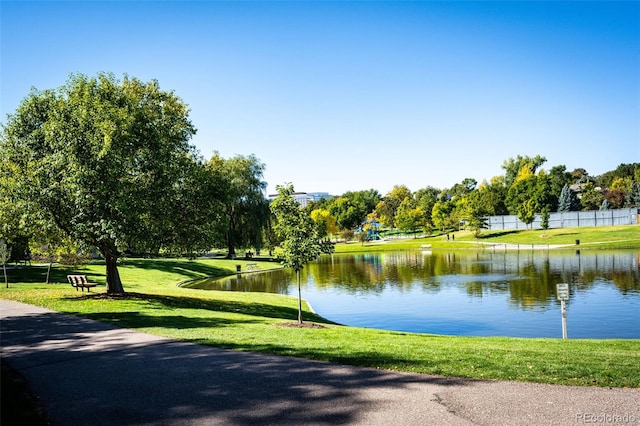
point(526, 189)
point(107, 164)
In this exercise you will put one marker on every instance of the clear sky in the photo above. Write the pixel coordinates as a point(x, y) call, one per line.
point(339, 96)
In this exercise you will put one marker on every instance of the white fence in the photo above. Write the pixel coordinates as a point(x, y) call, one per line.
point(570, 219)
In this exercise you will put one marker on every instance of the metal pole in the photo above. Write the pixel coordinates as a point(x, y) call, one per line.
point(564, 319)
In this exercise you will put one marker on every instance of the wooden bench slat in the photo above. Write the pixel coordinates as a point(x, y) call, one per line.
point(80, 281)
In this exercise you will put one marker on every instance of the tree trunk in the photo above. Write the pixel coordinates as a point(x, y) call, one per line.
point(6, 281)
point(114, 284)
point(299, 299)
point(231, 254)
point(48, 273)
point(231, 250)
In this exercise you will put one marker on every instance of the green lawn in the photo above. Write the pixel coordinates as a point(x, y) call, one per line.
point(254, 322)
point(590, 238)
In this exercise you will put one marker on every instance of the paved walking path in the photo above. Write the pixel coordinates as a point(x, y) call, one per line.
point(90, 373)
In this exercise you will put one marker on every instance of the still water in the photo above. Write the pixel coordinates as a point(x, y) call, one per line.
point(484, 293)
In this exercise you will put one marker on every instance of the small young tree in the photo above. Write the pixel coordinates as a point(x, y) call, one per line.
point(544, 217)
point(298, 233)
point(527, 212)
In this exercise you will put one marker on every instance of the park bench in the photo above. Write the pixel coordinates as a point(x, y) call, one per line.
point(80, 281)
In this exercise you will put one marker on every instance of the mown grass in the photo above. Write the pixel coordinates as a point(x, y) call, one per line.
point(590, 238)
point(253, 322)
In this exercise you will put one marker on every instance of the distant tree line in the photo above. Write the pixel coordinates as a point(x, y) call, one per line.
point(525, 189)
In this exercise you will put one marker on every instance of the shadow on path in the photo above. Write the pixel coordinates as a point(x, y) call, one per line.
point(87, 372)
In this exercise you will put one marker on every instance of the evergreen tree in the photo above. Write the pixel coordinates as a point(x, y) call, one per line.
point(633, 200)
point(568, 201)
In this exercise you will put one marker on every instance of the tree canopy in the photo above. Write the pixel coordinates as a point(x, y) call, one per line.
point(105, 161)
point(241, 190)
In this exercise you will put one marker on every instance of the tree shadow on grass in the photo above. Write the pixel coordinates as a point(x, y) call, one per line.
point(164, 302)
point(184, 267)
point(37, 274)
point(493, 234)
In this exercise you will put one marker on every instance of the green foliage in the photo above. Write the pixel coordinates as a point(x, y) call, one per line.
point(634, 196)
point(410, 219)
point(103, 160)
point(240, 187)
point(388, 207)
point(297, 231)
point(426, 198)
point(475, 211)
point(528, 195)
point(622, 171)
point(591, 197)
point(325, 223)
point(544, 217)
point(513, 167)
point(300, 242)
point(568, 201)
point(442, 215)
point(351, 208)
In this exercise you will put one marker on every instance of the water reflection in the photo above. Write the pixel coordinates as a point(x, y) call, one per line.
point(484, 293)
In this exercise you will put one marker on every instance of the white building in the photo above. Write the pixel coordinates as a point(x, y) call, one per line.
point(304, 198)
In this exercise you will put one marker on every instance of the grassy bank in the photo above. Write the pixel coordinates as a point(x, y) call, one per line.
point(254, 322)
point(591, 238)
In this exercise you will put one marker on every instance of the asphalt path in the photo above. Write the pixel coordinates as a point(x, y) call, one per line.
point(89, 373)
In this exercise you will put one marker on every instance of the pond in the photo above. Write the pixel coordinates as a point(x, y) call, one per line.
point(484, 293)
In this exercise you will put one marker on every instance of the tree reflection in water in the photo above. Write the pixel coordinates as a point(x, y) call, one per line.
point(467, 292)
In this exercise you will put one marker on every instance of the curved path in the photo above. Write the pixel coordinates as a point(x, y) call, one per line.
point(90, 373)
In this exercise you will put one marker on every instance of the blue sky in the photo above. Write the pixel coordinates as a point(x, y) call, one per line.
point(338, 96)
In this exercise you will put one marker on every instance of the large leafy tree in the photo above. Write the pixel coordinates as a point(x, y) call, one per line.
point(443, 215)
point(197, 207)
point(529, 194)
point(388, 208)
point(298, 233)
point(409, 217)
point(426, 199)
point(103, 160)
point(326, 224)
point(351, 208)
point(475, 209)
point(513, 167)
point(246, 209)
